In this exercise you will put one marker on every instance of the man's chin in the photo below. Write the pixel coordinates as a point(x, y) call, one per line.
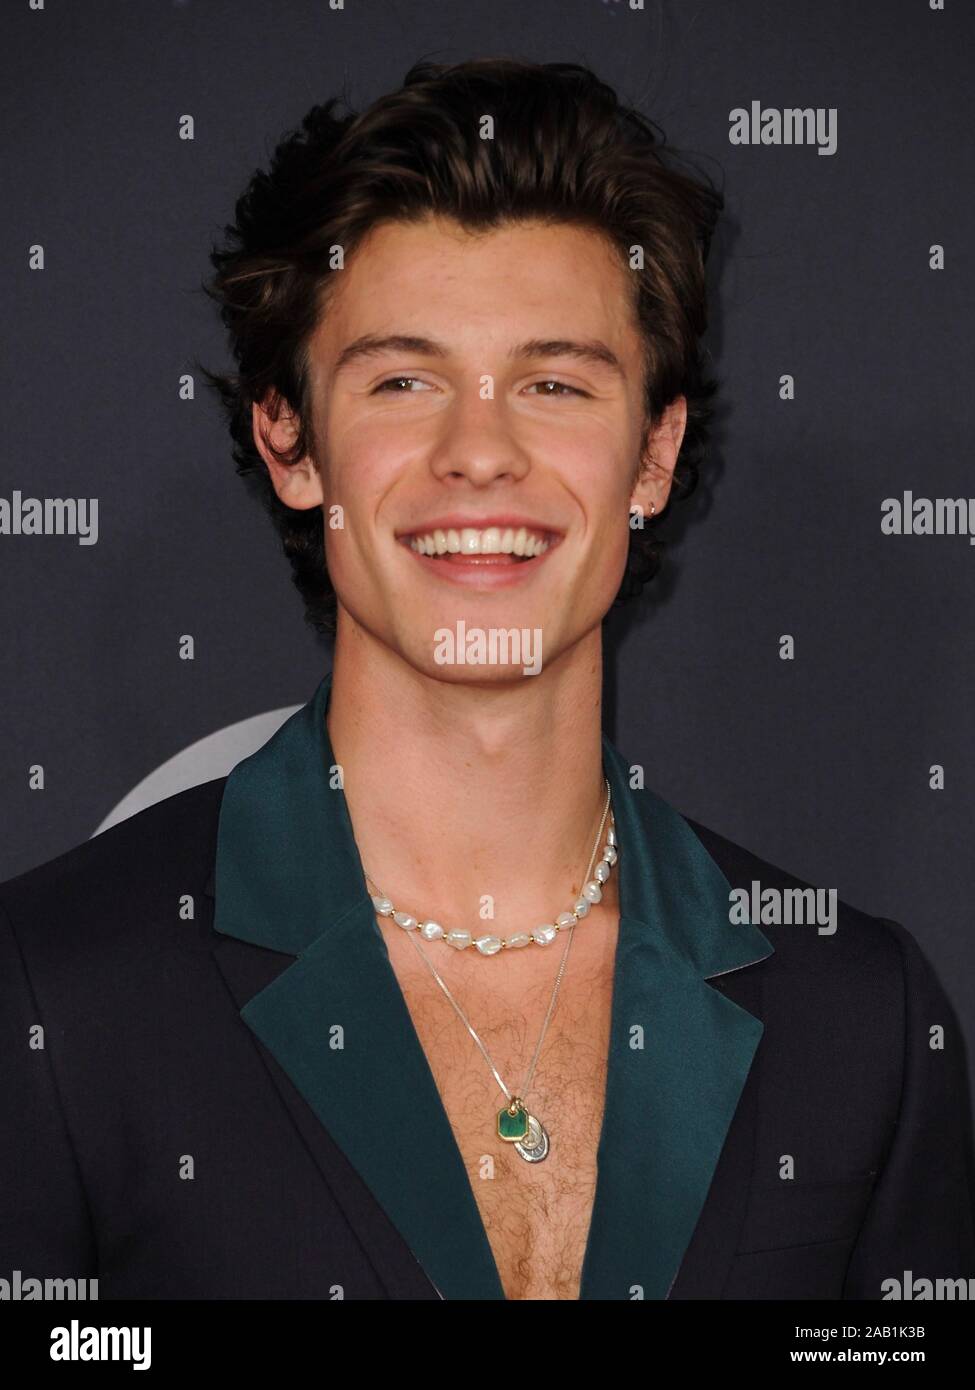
point(479, 649)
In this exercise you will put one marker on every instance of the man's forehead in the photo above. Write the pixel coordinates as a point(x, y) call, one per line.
point(435, 308)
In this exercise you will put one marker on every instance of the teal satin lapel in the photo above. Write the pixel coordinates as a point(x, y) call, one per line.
point(289, 877)
point(680, 1052)
point(376, 1096)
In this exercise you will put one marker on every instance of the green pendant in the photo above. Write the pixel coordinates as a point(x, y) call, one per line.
point(513, 1122)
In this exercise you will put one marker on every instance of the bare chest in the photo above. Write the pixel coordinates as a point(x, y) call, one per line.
point(536, 1215)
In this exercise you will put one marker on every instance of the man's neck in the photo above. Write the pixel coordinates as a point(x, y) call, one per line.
point(458, 792)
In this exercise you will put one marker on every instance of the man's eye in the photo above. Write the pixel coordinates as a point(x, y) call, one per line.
point(562, 386)
point(394, 382)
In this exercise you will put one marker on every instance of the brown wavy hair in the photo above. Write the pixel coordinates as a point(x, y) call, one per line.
point(568, 151)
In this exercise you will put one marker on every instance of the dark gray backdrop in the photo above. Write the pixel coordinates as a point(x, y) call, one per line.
point(821, 272)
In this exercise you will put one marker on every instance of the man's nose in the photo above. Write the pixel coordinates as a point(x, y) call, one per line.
point(478, 443)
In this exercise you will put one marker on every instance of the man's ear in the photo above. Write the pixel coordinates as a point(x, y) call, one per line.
point(276, 428)
point(658, 459)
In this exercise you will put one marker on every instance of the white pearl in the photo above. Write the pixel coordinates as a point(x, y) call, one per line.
point(383, 906)
point(581, 908)
point(543, 935)
point(592, 892)
point(459, 939)
point(403, 919)
point(488, 945)
point(602, 872)
point(520, 938)
point(430, 931)
point(609, 854)
point(566, 919)
point(611, 837)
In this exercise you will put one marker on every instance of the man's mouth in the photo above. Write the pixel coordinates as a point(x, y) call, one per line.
point(486, 558)
point(482, 546)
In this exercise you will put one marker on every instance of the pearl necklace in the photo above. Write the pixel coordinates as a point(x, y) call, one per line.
point(489, 945)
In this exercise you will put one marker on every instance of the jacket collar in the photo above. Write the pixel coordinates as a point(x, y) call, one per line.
point(288, 877)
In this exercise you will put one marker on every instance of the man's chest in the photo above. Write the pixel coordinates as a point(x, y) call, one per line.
point(536, 1215)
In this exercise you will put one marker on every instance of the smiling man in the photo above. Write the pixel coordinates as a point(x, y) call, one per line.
point(463, 1009)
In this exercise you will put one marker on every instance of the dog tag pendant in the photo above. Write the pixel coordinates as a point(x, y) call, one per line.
point(535, 1147)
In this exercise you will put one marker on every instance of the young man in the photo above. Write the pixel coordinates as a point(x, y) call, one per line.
point(368, 1064)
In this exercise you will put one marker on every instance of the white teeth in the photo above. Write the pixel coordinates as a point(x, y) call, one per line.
point(469, 540)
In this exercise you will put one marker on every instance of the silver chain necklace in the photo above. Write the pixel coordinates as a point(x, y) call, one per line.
point(515, 1123)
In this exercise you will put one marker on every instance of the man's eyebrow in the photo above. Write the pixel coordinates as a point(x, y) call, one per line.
point(591, 350)
point(373, 344)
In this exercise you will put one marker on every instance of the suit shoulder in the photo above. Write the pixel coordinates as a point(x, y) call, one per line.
point(122, 874)
point(851, 937)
